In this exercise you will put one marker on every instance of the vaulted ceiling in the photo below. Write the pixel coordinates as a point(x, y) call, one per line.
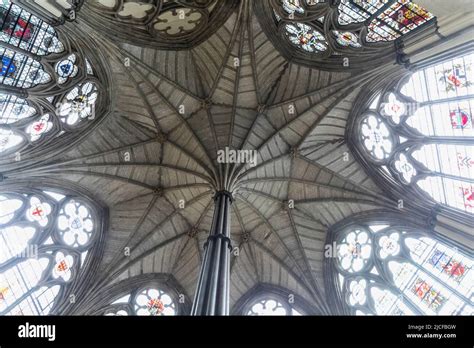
point(153, 160)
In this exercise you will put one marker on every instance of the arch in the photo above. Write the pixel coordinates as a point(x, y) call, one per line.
point(148, 294)
point(51, 87)
point(342, 35)
point(387, 264)
point(416, 131)
point(49, 236)
point(268, 299)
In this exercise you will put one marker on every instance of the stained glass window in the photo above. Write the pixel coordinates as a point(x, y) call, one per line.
point(422, 132)
point(68, 98)
point(66, 68)
point(23, 30)
point(268, 307)
point(306, 37)
point(19, 70)
point(347, 39)
point(299, 7)
point(388, 20)
point(44, 239)
point(316, 27)
point(385, 270)
point(358, 11)
point(78, 104)
point(149, 301)
point(267, 304)
point(400, 18)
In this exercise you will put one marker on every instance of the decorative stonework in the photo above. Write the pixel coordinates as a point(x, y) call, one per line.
point(164, 24)
point(49, 89)
point(346, 34)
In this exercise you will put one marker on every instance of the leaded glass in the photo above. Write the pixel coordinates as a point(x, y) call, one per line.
point(78, 104)
point(358, 11)
point(21, 29)
point(306, 37)
point(65, 95)
point(388, 20)
point(400, 18)
point(153, 302)
point(148, 301)
point(376, 137)
point(37, 128)
point(355, 31)
point(408, 273)
point(66, 68)
point(268, 307)
point(271, 303)
point(13, 109)
point(347, 39)
point(430, 116)
point(21, 71)
point(36, 262)
point(292, 6)
point(9, 140)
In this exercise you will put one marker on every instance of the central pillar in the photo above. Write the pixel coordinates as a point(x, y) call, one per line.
point(212, 292)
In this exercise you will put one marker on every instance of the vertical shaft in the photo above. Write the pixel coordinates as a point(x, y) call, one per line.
point(212, 292)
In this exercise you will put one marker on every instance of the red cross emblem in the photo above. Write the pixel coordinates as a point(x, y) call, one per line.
point(37, 211)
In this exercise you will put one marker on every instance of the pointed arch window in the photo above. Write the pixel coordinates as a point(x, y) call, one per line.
point(21, 29)
point(421, 132)
point(271, 300)
point(146, 301)
point(270, 305)
point(357, 23)
point(45, 237)
point(388, 269)
point(47, 87)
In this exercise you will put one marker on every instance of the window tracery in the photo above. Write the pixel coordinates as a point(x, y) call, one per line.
point(157, 22)
point(44, 240)
point(267, 302)
point(45, 88)
point(396, 270)
point(270, 306)
point(348, 35)
point(420, 132)
point(146, 301)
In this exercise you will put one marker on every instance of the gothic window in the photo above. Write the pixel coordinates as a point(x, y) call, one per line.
point(28, 32)
point(421, 132)
point(388, 21)
point(46, 90)
point(386, 269)
point(147, 301)
point(271, 306)
point(45, 237)
point(357, 31)
point(399, 19)
point(268, 300)
point(178, 22)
